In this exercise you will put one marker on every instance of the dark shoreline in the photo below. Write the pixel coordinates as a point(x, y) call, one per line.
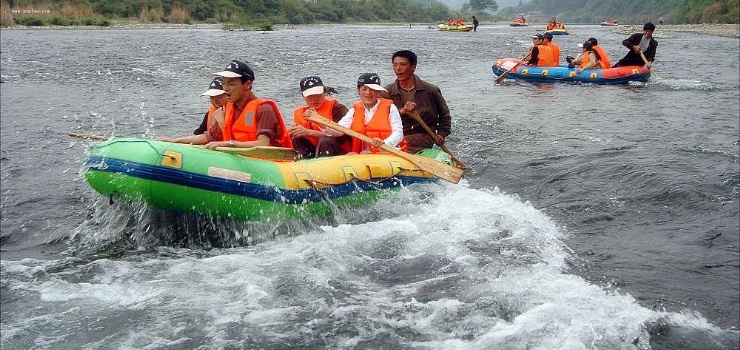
point(723, 30)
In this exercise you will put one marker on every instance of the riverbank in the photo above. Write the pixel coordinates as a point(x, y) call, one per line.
point(666, 30)
point(669, 30)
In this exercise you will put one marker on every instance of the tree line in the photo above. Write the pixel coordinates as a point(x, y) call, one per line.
point(243, 12)
point(262, 14)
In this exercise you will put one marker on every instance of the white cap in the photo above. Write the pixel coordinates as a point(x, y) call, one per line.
point(215, 88)
point(370, 80)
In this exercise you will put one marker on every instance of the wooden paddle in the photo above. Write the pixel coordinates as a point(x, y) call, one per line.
point(414, 115)
point(89, 136)
point(652, 71)
point(270, 152)
point(504, 74)
point(432, 166)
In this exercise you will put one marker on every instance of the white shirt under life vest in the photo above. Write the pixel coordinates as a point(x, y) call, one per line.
point(644, 43)
point(396, 124)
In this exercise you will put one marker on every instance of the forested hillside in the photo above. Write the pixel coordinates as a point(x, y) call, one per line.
point(234, 11)
point(632, 11)
point(264, 13)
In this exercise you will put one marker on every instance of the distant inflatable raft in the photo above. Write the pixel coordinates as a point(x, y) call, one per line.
point(619, 75)
point(558, 31)
point(460, 28)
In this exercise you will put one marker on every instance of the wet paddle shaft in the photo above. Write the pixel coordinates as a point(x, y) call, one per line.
point(414, 115)
point(646, 63)
point(432, 166)
point(269, 152)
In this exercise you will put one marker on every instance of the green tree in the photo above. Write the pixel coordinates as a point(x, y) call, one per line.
point(482, 5)
point(438, 12)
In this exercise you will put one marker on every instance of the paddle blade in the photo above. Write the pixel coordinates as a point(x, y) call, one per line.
point(502, 77)
point(438, 169)
point(415, 116)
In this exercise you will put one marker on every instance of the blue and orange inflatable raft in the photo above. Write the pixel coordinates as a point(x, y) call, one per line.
point(619, 75)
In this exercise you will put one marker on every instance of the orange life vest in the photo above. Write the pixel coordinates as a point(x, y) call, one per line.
point(603, 59)
point(550, 25)
point(586, 60)
point(244, 127)
point(212, 122)
point(378, 127)
point(544, 56)
point(324, 111)
point(555, 53)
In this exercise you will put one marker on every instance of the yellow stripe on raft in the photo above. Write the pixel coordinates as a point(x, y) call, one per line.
point(342, 169)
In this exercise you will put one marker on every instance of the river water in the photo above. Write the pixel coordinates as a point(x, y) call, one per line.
point(592, 217)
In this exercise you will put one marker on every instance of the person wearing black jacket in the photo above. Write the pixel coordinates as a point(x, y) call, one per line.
point(640, 43)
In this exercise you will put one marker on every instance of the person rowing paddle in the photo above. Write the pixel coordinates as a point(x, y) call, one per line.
point(640, 43)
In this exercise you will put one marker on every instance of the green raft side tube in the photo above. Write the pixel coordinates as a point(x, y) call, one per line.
point(191, 179)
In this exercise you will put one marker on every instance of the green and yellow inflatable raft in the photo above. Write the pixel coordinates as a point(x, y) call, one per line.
point(191, 179)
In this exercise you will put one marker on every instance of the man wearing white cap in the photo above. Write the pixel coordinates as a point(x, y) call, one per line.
point(304, 134)
point(250, 121)
point(540, 54)
point(372, 116)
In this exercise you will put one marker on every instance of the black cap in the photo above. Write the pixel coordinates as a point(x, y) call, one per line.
point(587, 44)
point(372, 80)
point(538, 36)
point(236, 69)
point(312, 85)
point(648, 26)
point(593, 41)
point(548, 35)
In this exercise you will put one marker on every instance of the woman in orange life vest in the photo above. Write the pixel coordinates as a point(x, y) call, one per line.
point(588, 59)
point(540, 54)
point(213, 120)
point(304, 134)
point(372, 116)
point(250, 121)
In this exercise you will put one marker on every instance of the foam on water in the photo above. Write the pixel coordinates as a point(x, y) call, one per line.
point(644, 175)
point(466, 269)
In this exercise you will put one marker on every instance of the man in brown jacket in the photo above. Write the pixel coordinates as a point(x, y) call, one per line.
point(413, 95)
